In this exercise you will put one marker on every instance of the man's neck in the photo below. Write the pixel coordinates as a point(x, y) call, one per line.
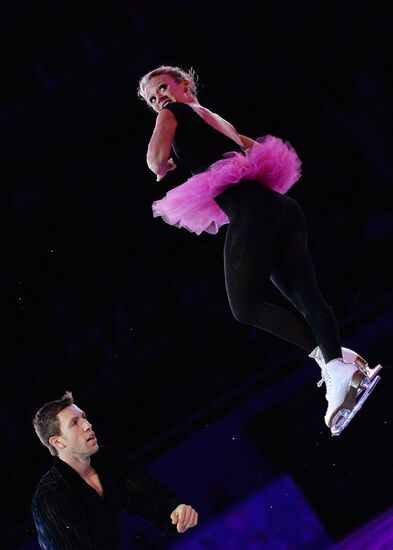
point(81, 464)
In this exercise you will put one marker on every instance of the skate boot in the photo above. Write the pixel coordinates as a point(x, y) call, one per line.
point(348, 355)
point(349, 382)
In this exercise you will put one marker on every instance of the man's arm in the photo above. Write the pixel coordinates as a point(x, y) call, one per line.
point(153, 500)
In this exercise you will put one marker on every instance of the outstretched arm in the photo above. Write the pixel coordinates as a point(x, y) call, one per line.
point(151, 499)
point(155, 502)
point(160, 144)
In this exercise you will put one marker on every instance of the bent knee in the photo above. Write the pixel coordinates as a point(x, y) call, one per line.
point(243, 313)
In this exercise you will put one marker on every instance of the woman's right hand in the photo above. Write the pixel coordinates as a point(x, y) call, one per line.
point(169, 167)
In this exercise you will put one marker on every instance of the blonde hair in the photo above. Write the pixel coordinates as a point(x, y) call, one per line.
point(175, 72)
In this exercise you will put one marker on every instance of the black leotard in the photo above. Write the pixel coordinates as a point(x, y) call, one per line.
point(266, 241)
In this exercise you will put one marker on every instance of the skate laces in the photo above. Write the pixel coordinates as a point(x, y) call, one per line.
point(325, 379)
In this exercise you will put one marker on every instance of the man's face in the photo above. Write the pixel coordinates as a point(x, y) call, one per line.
point(76, 433)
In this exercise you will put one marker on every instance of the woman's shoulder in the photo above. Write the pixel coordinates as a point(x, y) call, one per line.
point(178, 108)
point(177, 105)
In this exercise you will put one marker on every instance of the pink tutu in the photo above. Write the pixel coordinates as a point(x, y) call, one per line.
point(271, 161)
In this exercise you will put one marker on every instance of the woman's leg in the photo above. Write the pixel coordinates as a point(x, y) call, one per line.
point(268, 241)
point(249, 254)
point(293, 274)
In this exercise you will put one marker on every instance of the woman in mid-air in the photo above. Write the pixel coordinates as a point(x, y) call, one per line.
point(241, 182)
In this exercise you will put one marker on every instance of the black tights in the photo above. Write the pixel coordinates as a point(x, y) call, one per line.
point(266, 241)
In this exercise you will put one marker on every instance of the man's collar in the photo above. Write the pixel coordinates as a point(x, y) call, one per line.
point(68, 471)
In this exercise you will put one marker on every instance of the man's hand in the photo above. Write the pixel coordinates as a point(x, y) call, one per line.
point(184, 516)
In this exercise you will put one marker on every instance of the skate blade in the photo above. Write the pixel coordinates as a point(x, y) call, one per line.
point(344, 416)
point(370, 374)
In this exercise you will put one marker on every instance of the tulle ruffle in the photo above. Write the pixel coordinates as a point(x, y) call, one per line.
point(271, 161)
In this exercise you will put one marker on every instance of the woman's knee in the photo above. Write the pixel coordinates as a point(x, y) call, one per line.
point(243, 312)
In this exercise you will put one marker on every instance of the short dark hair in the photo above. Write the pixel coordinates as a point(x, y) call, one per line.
point(45, 422)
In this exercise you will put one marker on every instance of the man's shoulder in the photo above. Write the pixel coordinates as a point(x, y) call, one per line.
point(51, 482)
point(51, 476)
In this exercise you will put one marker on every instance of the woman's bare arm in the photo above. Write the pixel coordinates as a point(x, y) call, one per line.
point(247, 142)
point(160, 144)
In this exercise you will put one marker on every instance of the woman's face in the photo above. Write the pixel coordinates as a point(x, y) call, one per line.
point(164, 89)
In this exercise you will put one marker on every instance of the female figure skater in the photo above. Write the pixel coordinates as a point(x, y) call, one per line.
point(242, 182)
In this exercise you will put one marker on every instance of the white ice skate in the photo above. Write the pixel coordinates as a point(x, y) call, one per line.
point(349, 382)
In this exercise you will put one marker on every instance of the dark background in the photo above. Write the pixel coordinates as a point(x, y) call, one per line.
point(131, 314)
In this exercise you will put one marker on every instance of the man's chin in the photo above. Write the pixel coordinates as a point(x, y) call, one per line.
point(94, 449)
